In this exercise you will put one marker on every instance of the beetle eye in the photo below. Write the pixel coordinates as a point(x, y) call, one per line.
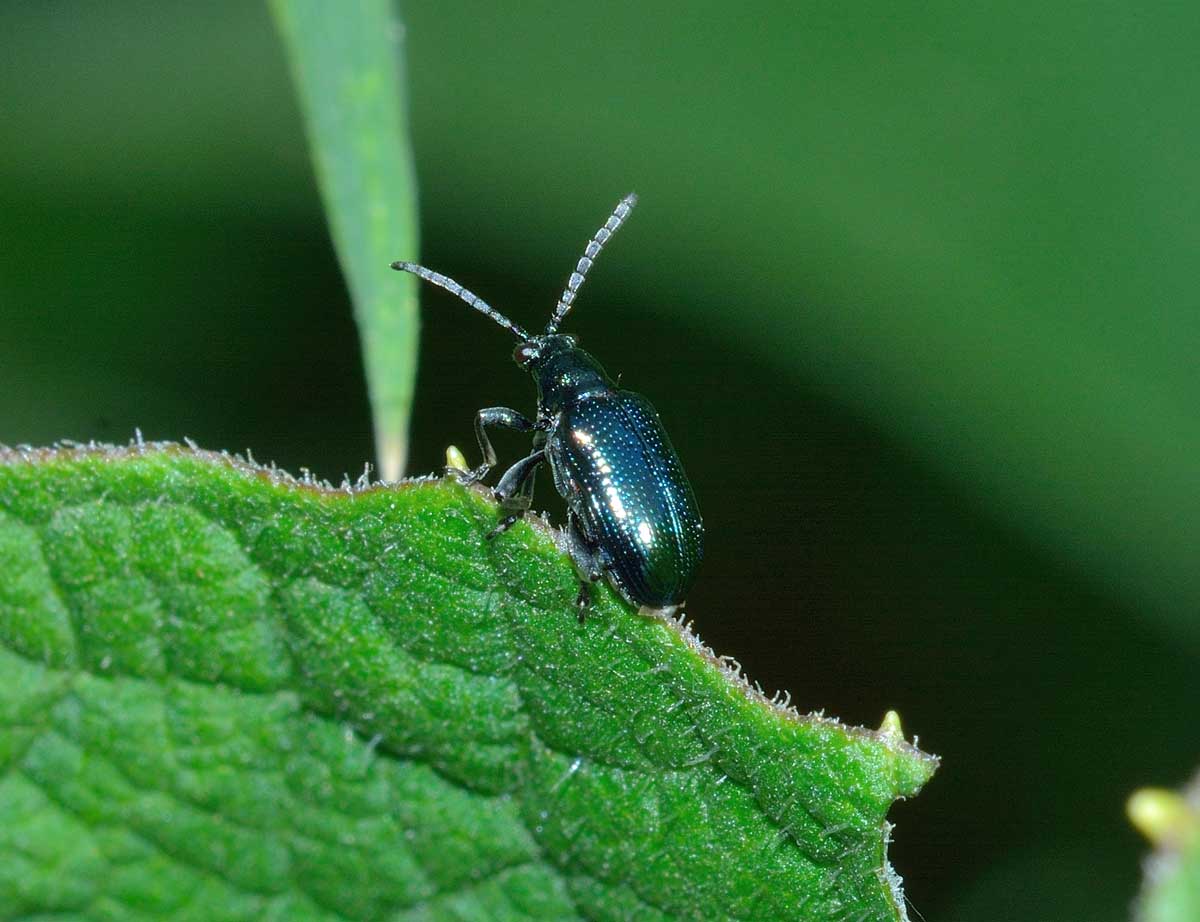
point(525, 353)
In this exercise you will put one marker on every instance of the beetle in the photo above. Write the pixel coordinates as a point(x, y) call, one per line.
point(631, 512)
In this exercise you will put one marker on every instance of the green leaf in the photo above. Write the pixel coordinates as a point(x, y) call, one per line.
point(348, 69)
point(1171, 892)
point(231, 695)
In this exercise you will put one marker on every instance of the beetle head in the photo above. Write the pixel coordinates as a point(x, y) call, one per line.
point(535, 351)
point(561, 370)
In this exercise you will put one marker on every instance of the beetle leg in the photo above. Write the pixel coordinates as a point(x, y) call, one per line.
point(484, 419)
point(515, 488)
point(588, 560)
point(515, 491)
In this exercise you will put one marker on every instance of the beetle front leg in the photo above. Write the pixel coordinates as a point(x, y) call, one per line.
point(515, 491)
point(493, 416)
point(588, 560)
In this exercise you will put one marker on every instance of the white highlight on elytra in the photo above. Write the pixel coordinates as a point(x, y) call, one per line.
point(645, 533)
point(614, 500)
point(603, 467)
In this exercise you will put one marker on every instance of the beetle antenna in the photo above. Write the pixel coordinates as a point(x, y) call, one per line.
point(590, 252)
point(472, 299)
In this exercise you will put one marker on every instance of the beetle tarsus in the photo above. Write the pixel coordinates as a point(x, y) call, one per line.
point(505, 524)
point(583, 599)
point(466, 478)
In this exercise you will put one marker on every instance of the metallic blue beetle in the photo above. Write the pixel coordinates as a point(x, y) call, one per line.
point(631, 512)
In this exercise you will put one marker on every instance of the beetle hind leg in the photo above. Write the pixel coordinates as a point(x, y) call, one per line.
point(588, 560)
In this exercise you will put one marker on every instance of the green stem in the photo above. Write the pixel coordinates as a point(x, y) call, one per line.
point(347, 63)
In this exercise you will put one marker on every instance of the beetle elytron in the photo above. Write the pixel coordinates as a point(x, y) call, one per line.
point(631, 513)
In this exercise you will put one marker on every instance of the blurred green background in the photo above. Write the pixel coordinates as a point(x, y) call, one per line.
point(913, 288)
